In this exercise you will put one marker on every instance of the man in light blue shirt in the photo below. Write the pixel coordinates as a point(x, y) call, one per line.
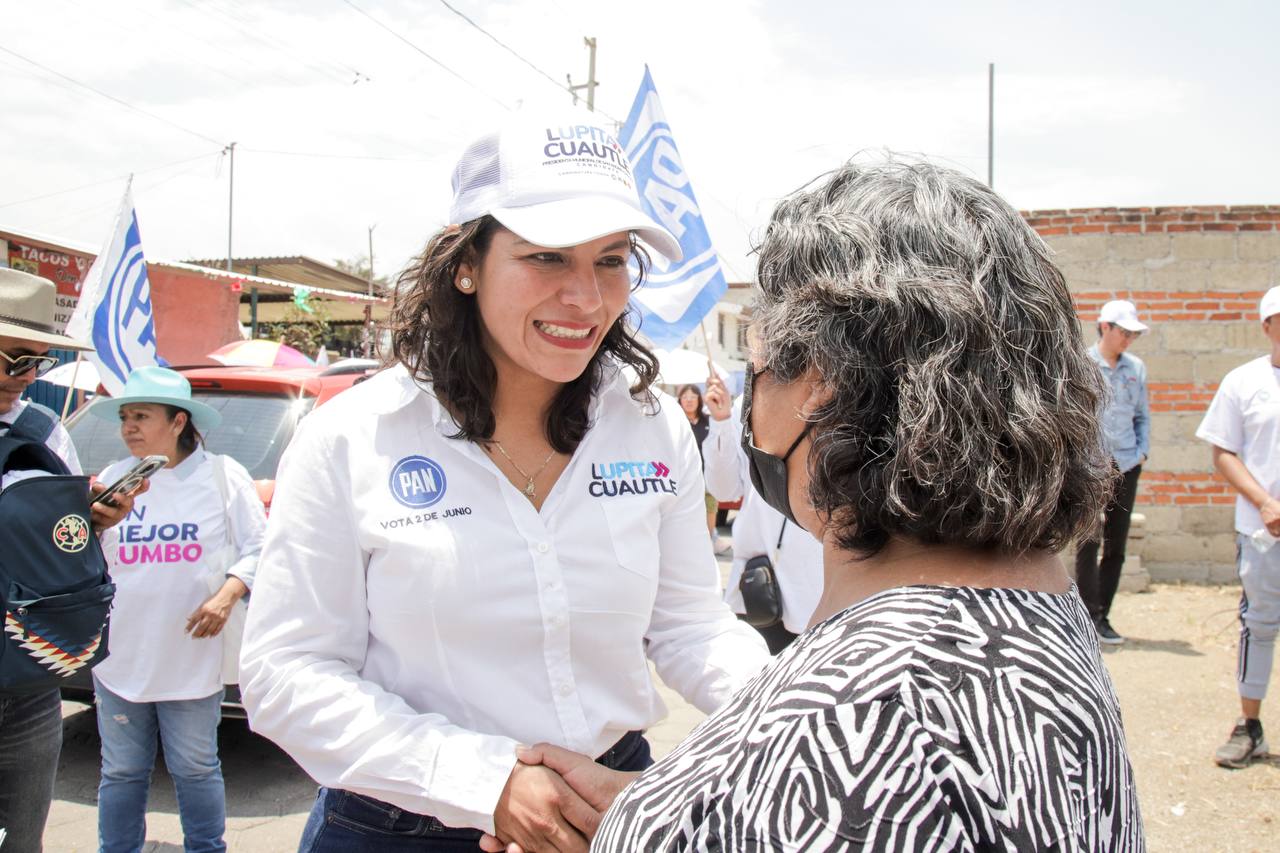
point(1126, 435)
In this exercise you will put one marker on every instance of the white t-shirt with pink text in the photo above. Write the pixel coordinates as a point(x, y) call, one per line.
point(159, 557)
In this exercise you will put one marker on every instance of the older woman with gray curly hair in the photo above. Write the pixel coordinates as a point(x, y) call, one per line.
point(921, 401)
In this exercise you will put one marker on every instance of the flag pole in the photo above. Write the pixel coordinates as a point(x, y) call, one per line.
point(71, 392)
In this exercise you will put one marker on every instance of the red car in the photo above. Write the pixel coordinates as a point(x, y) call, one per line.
point(260, 408)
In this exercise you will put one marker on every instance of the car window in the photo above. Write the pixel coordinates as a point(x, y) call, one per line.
point(254, 431)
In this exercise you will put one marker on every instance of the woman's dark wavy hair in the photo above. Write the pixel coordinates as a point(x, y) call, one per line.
point(964, 407)
point(435, 333)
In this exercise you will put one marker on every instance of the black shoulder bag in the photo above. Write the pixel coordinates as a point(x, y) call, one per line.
point(761, 597)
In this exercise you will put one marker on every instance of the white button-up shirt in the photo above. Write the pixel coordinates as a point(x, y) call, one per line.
point(797, 563)
point(414, 617)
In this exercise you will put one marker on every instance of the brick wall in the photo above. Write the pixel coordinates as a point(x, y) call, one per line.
point(1196, 274)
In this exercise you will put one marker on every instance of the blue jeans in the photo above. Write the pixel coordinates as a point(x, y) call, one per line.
point(343, 822)
point(30, 740)
point(188, 729)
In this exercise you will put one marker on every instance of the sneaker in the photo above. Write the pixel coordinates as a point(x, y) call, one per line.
point(1107, 635)
point(1245, 744)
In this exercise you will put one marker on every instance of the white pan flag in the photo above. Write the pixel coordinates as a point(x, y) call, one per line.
point(114, 311)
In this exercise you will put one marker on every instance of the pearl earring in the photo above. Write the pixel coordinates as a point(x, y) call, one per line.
point(465, 284)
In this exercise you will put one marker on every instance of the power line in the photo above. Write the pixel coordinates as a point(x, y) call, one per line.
point(113, 98)
point(108, 180)
point(427, 55)
point(338, 156)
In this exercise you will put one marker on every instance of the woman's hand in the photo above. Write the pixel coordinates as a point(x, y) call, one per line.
point(539, 811)
point(597, 785)
point(718, 399)
point(207, 619)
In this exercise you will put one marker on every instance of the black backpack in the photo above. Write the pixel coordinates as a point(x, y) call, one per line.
point(55, 592)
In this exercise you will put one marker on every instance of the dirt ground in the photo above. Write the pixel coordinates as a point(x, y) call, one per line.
point(1176, 681)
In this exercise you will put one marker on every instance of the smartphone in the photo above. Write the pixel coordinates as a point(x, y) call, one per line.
point(146, 466)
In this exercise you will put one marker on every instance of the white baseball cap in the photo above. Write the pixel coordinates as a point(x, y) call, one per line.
point(559, 181)
point(1270, 303)
point(1122, 313)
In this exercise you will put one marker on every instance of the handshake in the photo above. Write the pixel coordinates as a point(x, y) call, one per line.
point(553, 800)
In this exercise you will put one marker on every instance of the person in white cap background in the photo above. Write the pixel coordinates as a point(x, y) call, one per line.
point(31, 723)
point(1126, 435)
point(486, 544)
point(1243, 425)
point(180, 562)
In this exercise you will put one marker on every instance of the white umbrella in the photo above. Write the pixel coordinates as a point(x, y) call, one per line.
point(86, 376)
point(684, 366)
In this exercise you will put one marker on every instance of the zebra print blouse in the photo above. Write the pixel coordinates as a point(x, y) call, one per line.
point(923, 718)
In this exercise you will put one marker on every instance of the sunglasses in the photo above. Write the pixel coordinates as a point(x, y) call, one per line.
point(19, 365)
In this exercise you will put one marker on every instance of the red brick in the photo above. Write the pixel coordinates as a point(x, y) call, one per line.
point(1190, 499)
point(1202, 306)
point(1152, 229)
point(1221, 226)
point(1184, 227)
point(1258, 226)
point(1124, 229)
point(1227, 315)
point(1088, 229)
point(1049, 232)
point(1223, 499)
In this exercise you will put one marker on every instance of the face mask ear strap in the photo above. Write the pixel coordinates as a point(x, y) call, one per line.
point(792, 449)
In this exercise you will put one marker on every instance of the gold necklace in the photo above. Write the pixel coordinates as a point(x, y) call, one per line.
point(528, 486)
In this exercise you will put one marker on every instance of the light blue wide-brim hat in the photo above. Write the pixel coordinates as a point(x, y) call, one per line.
point(158, 385)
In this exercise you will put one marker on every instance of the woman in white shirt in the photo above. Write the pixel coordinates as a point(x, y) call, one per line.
point(201, 516)
point(479, 547)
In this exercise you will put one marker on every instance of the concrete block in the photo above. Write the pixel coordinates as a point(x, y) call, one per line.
point(1181, 458)
point(1188, 276)
point(1209, 521)
point(1191, 337)
point(1134, 576)
point(1241, 275)
point(1173, 427)
point(1179, 572)
point(1246, 336)
point(1169, 367)
point(1259, 247)
point(1102, 275)
point(1082, 247)
point(1160, 519)
point(1137, 247)
point(1181, 548)
point(1223, 573)
point(1211, 367)
point(1208, 247)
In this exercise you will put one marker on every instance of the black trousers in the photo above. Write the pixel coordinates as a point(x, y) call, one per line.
point(1099, 579)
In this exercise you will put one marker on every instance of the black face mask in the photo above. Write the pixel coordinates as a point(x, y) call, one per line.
point(768, 472)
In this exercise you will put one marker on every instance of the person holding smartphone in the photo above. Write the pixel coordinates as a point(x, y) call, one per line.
point(31, 722)
point(163, 679)
point(486, 544)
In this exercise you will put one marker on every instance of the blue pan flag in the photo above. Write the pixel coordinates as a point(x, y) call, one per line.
point(675, 296)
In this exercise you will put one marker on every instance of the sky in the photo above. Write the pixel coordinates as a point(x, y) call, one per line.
point(348, 114)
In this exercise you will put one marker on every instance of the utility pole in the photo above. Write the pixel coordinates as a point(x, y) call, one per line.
point(591, 83)
point(231, 200)
point(991, 124)
point(368, 307)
